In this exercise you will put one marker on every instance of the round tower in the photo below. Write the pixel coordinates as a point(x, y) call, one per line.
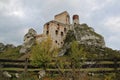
point(75, 19)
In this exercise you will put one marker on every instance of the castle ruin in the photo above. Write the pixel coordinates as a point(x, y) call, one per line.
point(58, 28)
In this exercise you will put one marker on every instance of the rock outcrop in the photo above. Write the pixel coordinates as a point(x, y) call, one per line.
point(86, 35)
point(29, 40)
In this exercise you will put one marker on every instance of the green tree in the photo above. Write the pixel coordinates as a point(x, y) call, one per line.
point(74, 61)
point(77, 53)
point(42, 54)
point(77, 59)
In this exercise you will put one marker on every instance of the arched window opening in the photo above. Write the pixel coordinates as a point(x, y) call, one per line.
point(56, 32)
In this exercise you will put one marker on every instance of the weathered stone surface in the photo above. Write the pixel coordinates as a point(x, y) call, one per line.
point(64, 49)
point(41, 74)
point(86, 35)
point(6, 74)
point(29, 40)
point(17, 75)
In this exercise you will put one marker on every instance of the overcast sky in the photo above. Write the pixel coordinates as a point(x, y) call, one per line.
point(17, 16)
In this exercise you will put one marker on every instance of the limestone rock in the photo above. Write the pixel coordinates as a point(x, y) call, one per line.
point(17, 75)
point(84, 35)
point(87, 35)
point(29, 40)
point(6, 74)
point(41, 74)
point(63, 51)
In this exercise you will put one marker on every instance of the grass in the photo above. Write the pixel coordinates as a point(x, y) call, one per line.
point(11, 53)
point(38, 69)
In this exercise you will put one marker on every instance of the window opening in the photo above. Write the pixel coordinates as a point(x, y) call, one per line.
point(61, 33)
point(47, 32)
point(56, 32)
point(65, 29)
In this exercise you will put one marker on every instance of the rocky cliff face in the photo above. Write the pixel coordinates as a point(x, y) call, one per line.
point(86, 35)
point(29, 40)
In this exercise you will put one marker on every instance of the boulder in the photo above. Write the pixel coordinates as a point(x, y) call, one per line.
point(6, 74)
point(41, 74)
point(17, 75)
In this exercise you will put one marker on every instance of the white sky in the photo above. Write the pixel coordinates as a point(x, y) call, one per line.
point(17, 16)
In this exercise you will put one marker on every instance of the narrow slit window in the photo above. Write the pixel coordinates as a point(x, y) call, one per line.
point(48, 26)
point(56, 41)
point(62, 34)
point(65, 29)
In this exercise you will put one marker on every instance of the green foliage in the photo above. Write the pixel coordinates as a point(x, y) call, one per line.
point(42, 53)
point(97, 52)
point(110, 76)
point(77, 53)
point(70, 37)
point(11, 53)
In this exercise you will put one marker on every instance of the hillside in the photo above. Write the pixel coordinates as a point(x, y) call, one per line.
point(91, 41)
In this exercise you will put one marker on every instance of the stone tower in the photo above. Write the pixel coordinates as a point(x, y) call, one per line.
point(63, 18)
point(75, 19)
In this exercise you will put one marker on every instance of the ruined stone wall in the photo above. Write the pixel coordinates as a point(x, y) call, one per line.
point(57, 31)
point(40, 38)
point(63, 18)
